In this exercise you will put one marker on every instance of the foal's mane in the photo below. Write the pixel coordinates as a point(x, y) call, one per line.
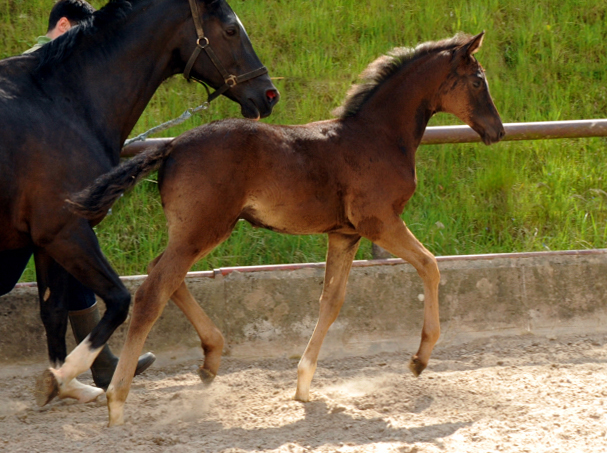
point(59, 49)
point(383, 68)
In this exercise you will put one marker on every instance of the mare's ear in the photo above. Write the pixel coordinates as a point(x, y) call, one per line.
point(474, 44)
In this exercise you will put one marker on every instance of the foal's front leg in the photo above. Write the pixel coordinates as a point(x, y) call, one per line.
point(340, 254)
point(151, 297)
point(397, 239)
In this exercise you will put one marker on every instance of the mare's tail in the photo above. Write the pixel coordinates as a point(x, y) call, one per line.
point(94, 201)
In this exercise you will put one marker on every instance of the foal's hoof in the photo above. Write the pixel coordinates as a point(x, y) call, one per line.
point(206, 376)
point(301, 397)
point(416, 366)
point(46, 388)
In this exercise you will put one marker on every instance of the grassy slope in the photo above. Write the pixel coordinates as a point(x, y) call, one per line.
point(545, 60)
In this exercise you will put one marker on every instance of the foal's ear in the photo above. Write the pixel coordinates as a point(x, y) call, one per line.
point(474, 44)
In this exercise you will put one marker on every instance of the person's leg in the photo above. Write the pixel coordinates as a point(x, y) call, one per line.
point(82, 321)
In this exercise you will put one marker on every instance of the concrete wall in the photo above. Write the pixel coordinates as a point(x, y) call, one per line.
point(271, 311)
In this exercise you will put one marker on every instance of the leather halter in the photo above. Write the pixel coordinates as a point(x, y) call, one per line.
point(202, 43)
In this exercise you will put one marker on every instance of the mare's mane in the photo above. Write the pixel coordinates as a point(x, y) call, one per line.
point(59, 49)
point(383, 68)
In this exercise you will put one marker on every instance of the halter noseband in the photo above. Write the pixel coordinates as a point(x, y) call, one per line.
point(202, 43)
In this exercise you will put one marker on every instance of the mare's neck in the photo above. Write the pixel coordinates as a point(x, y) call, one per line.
point(403, 105)
point(114, 81)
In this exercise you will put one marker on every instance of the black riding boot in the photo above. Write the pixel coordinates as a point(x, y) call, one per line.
point(82, 322)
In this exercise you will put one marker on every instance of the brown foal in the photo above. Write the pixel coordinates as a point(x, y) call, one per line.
point(348, 177)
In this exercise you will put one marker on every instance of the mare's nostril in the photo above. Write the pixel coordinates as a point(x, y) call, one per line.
point(272, 96)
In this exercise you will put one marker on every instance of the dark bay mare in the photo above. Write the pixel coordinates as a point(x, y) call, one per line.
point(349, 177)
point(65, 112)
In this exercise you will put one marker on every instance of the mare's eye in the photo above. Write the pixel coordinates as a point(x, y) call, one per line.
point(231, 31)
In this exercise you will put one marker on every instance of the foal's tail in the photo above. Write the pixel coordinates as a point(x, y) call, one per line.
point(94, 201)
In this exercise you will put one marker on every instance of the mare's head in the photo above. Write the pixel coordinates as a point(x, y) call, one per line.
point(218, 51)
point(465, 93)
point(203, 39)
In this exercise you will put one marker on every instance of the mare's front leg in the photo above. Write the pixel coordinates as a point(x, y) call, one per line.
point(397, 239)
point(56, 289)
point(52, 282)
point(12, 265)
point(75, 248)
point(340, 254)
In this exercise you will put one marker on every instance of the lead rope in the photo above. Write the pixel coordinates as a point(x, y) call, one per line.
point(200, 45)
point(168, 124)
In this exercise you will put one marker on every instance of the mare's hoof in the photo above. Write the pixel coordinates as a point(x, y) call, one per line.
point(46, 388)
point(416, 366)
point(206, 376)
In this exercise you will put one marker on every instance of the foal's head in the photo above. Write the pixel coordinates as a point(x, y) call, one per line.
point(465, 93)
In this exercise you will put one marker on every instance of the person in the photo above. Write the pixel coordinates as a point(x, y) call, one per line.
point(83, 310)
point(63, 16)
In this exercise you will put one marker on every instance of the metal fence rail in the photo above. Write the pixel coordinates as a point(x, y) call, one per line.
point(520, 131)
point(463, 134)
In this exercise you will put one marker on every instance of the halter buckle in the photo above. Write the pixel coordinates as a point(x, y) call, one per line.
point(202, 42)
point(231, 81)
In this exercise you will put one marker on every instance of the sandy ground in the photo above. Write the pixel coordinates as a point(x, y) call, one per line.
point(509, 394)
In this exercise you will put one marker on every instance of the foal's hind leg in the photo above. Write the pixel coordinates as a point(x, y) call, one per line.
point(341, 252)
point(210, 336)
point(397, 239)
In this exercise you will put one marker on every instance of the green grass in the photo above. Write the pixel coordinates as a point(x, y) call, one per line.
point(546, 60)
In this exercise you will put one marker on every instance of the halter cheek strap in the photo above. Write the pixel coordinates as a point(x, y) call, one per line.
point(202, 43)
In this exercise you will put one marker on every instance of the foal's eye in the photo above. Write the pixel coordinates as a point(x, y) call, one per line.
point(477, 83)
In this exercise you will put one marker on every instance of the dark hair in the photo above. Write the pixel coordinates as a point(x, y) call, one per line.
point(59, 49)
point(74, 10)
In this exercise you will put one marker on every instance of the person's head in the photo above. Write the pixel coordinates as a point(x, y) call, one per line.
point(66, 14)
